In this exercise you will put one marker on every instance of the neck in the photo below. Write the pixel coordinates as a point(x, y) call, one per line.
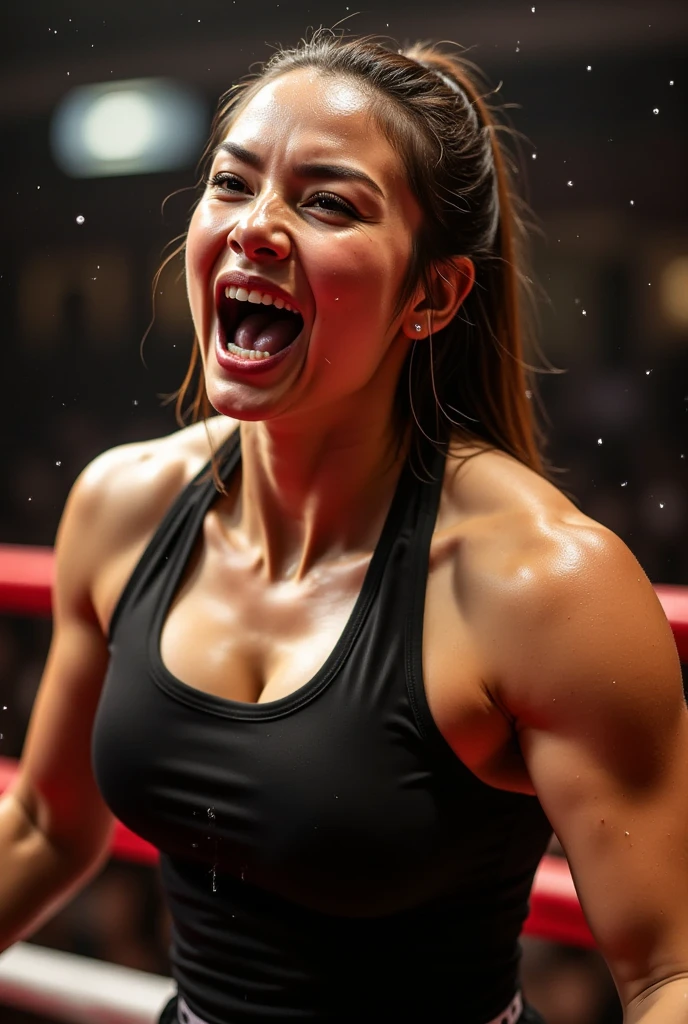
point(314, 495)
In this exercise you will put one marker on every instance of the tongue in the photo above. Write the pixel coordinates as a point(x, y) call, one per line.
point(266, 333)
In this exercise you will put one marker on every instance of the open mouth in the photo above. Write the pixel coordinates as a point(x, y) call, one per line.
point(256, 327)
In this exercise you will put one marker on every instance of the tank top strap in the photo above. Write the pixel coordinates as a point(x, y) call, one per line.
point(418, 562)
point(179, 520)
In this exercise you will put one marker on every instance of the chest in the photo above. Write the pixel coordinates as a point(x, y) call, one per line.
point(229, 634)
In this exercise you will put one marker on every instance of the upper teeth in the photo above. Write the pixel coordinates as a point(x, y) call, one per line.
point(244, 295)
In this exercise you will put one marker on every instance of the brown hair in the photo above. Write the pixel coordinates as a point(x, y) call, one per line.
point(469, 383)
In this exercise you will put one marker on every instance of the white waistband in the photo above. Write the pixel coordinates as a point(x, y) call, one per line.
point(508, 1016)
point(512, 1012)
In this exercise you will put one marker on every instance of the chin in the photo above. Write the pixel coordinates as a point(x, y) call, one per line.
point(225, 401)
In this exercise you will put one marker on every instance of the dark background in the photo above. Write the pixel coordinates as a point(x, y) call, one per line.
point(75, 301)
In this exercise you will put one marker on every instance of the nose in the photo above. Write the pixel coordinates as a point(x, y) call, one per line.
point(260, 234)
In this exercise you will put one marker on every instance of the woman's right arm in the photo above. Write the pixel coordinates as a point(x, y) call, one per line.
point(55, 828)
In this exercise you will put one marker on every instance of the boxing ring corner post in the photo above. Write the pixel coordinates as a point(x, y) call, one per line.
point(80, 990)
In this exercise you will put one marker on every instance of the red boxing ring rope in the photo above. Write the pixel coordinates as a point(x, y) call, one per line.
point(26, 578)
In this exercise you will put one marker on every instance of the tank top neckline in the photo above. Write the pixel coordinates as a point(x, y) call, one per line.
point(230, 457)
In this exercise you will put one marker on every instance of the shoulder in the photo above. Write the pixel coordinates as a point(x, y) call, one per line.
point(559, 602)
point(130, 480)
point(120, 497)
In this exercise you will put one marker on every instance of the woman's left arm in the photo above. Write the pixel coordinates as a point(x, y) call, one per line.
point(596, 696)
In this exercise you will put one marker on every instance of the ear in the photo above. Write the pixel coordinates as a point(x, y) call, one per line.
point(451, 283)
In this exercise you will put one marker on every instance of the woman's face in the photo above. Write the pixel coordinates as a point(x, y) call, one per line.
point(309, 202)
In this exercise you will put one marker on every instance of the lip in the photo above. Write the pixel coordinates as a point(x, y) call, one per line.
point(252, 282)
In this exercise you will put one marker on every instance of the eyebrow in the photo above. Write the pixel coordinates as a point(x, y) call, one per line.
point(338, 172)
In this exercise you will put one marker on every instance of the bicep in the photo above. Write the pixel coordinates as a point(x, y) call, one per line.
point(622, 818)
point(603, 728)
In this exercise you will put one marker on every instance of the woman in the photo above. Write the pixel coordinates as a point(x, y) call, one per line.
point(362, 659)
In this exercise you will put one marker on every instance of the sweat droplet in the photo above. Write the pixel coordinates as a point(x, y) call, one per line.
point(80, 219)
point(627, 833)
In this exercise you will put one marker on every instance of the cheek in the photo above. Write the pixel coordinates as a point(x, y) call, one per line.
point(202, 246)
point(198, 241)
point(359, 279)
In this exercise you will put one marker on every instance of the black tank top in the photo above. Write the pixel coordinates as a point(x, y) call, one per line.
point(325, 856)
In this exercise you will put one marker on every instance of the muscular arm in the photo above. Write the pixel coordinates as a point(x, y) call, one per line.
point(589, 674)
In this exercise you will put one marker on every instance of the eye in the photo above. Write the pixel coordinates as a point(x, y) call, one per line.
point(225, 178)
point(336, 203)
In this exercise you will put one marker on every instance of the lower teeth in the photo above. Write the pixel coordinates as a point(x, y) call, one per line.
point(246, 353)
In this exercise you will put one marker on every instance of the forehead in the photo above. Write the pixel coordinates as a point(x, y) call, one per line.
point(326, 115)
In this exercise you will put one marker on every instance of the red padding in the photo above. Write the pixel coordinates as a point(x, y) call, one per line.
point(674, 601)
point(26, 579)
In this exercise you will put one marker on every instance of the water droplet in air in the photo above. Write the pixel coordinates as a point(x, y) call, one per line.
point(656, 110)
point(211, 813)
point(589, 67)
point(58, 463)
point(671, 81)
point(625, 483)
point(80, 219)
point(534, 156)
point(533, 10)
point(632, 202)
point(661, 504)
point(584, 312)
point(648, 372)
point(600, 441)
point(570, 184)
point(135, 402)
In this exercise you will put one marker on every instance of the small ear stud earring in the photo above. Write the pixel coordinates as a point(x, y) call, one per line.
point(417, 326)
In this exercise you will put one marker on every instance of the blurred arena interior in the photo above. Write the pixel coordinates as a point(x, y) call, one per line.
point(600, 101)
